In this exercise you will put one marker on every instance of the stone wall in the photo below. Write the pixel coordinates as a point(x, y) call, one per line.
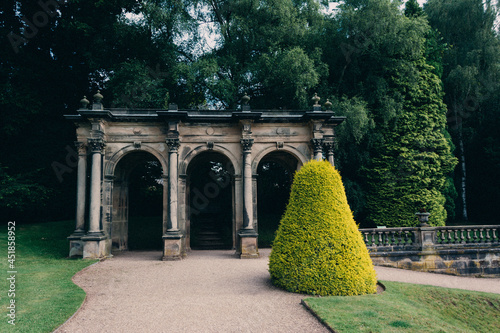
point(461, 250)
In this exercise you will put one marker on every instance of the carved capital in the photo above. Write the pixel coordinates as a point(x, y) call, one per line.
point(317, 145)
point(173, 144)
point(329, 146)
point(246, 144)
point(96, 145)
point(81, 148)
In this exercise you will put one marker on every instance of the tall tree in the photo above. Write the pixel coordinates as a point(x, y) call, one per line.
point(471, 72)
point(402, 157)
point(259, 51)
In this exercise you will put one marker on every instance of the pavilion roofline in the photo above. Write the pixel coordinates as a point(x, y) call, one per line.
point(190, 115)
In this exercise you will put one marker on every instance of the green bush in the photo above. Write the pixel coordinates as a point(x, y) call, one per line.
point(318, 248)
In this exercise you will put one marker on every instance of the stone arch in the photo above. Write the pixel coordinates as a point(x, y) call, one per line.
point(292, 150)
point(274, 176)
point(204, 227)
point(184, 163)
point(109, 169)
point(117, 193)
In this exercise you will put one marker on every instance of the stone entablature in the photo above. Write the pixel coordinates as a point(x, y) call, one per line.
point(175, 137)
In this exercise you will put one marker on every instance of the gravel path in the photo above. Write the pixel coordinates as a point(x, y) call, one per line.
point(210, 291)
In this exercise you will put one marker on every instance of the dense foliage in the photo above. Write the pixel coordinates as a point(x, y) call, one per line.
point(318, 248)
point(379, 63)
point(471, 77)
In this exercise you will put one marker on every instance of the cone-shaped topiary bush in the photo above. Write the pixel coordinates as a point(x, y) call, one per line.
point(318, 248)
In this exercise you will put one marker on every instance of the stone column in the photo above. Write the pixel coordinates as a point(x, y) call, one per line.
point(318, 148)
point(248, 235)
point(75, 243)
point(81, 188)
point(173, 147)
point(329, 147)
point(165, 217)
point(172, 249)
point(247, 184)
point(94, 246)
point(96, 145)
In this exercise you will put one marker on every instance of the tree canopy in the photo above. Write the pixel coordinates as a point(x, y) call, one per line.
point(379, 63)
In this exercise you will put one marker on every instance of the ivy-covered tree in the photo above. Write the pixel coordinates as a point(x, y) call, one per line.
point(413, 156)
point(401, 156)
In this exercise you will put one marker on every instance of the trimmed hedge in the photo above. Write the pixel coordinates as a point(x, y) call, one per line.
point(318, 248)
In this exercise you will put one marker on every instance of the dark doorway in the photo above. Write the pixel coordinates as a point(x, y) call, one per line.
point(145, 199)
point(275, 176)
point(210, 199)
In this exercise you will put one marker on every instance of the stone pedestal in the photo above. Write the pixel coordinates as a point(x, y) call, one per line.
point(172, 246)
point(75, 246)
point(428, 235)
point(248, 244)
point(94, 247)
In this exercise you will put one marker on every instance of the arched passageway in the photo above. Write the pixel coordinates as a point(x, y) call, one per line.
point(275, 176)
point(138, 203)
point(210, 161)
point(210, 193)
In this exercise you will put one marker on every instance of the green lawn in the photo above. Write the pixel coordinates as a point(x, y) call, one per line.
point(44, 293)
point(407, 307)
point(46, 297)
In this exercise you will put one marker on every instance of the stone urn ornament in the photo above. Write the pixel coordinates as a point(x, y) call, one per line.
point(423, 217)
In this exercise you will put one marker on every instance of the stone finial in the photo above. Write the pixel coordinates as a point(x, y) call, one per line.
point(245, 99)
point(98, 97)
point(84, 102)
point(328, 105)
point(316, 99)
point(97, 105)
point(244, 103)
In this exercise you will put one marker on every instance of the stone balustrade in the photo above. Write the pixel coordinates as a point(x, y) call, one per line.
point(459, 250)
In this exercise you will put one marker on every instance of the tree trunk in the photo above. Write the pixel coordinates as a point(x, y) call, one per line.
point(461, 157)
point(463, 176)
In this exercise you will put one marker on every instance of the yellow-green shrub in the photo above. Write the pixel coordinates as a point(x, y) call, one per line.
point(318, 248)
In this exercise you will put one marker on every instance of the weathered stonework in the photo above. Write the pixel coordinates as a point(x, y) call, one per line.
point(112, 140)
point(467, 250)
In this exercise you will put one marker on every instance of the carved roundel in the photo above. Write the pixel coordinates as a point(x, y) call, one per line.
point(210, 131)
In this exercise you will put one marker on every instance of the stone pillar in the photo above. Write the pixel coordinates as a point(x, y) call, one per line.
point(94, 246)
point(318, 149)
point(75, 243)
point(97, 145)
point(248, 235)
point(247, 184)
point(81, 188)
point(165, 217)
point(172, 249)
point(329, 147)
